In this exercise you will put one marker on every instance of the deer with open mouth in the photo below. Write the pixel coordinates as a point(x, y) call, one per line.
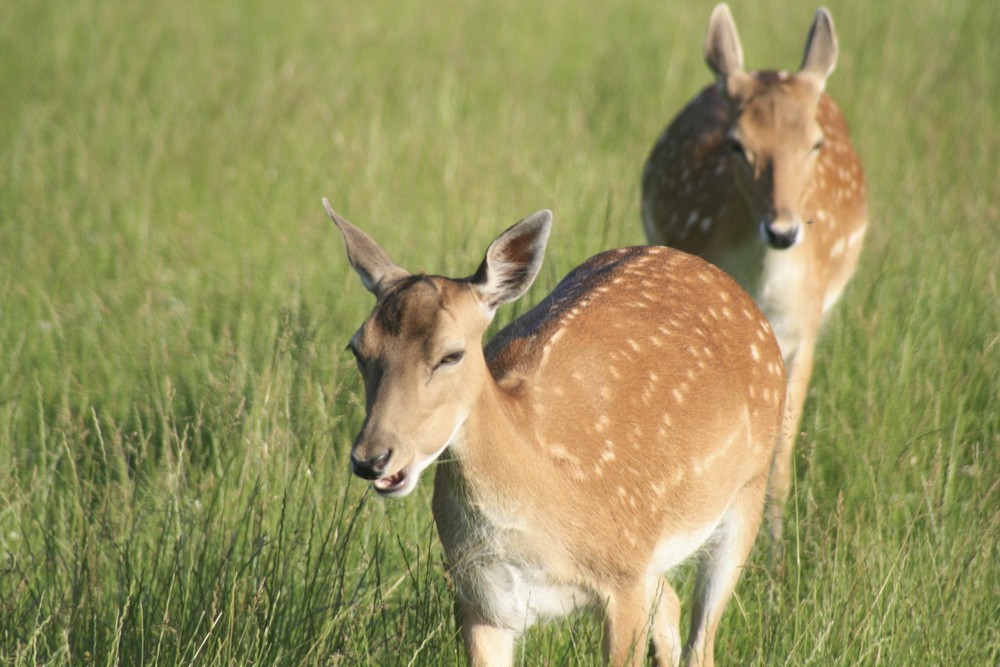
point(621, 426)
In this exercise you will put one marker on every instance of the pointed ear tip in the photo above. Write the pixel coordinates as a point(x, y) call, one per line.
point(338, 220)
point(329, 209)
point(823, 16)
point(721, 12)
point(540, 218)
point(543, 220)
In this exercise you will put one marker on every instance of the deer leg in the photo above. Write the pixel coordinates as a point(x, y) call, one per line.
point(626, 627)
point(719, 568)
point(799, 371)
point(666, 633)
point(486, 645)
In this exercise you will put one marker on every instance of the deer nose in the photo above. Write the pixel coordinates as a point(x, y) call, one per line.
point(371, 467)
point(781, 234)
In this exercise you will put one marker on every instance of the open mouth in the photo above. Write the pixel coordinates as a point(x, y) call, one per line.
point(390, 484)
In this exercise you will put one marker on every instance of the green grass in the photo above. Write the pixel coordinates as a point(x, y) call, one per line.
point(175, 406)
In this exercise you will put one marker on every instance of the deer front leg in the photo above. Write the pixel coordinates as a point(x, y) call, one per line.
point(485, 645)
point(799, 370)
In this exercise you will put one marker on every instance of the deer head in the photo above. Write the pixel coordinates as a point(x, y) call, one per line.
point(420, 351)
point(774, 135)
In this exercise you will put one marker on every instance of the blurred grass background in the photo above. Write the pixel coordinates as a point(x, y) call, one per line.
point(175, 406)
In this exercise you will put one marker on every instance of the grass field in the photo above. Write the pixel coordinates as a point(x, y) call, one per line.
point(176, 408)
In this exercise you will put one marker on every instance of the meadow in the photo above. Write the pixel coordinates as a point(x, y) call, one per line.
point(176, 405)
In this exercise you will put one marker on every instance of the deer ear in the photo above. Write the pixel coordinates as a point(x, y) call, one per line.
point(512, 261)
point(376, 268)
point(820, 55)
point(723, 52)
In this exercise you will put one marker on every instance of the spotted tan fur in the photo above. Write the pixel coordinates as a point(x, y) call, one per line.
point(623, 425)
point(758, 175)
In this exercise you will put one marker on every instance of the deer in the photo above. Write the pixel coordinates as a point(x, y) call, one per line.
point(622, 426)
point(758, 175)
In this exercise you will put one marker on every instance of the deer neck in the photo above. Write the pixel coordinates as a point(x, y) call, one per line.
point(496, 465)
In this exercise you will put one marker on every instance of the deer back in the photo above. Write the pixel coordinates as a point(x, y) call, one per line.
point(646, 389)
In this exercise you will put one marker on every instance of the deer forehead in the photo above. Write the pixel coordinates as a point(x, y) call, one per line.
point(425, 311)
point(779, 113)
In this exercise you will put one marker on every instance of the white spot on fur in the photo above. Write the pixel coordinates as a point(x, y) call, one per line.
point(856, 236)
point(838, 248)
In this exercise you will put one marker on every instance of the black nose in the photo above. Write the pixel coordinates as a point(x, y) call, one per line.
point(370, 468)
point(781, 240)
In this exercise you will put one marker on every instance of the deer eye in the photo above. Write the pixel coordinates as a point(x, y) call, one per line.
point(450, 359)
point(817, 146)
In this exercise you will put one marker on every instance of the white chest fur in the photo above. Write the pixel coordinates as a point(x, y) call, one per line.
point(781, 295)
point(510, 586)
point(496, 570)
point(514, 594)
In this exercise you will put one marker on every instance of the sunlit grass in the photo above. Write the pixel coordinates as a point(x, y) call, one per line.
point(175, 406)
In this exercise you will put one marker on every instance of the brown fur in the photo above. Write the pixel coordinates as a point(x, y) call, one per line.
point(800, 177)
point(624, 424)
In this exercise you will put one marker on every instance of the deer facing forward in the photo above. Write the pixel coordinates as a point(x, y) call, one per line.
point(758, 175)
point(624, 424)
